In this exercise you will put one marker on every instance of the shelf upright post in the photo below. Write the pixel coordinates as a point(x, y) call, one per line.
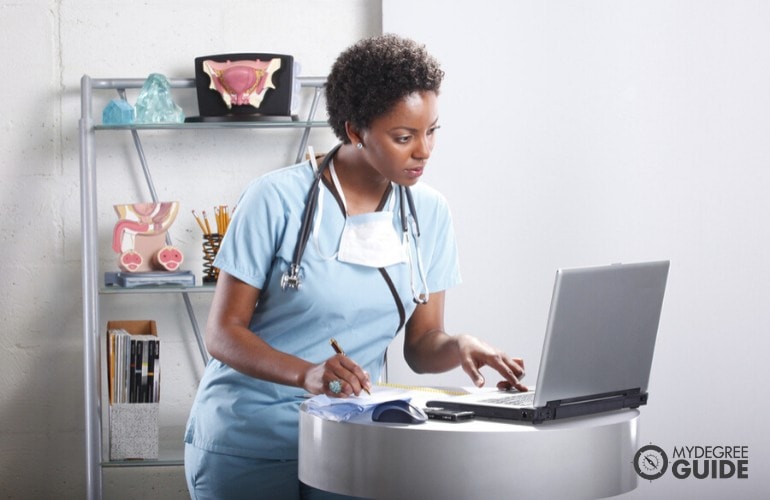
point(318, 84)
point(89, 254)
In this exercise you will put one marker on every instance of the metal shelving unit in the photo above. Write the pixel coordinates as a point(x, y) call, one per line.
point(90, 241)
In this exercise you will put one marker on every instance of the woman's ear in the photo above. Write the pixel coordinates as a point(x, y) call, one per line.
point(353, 134)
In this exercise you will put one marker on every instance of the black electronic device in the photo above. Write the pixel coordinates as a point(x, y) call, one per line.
point(449, 415)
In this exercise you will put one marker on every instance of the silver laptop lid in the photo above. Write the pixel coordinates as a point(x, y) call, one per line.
point(601, 330)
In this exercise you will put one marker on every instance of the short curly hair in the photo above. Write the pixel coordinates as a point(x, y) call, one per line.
point(368, 78)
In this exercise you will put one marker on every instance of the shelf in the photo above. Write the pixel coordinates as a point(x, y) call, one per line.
point(268, 124)
point(118, 290)
point(170, 441)
point(161, 462)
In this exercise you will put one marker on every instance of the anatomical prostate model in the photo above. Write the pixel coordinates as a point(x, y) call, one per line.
point(139, 237)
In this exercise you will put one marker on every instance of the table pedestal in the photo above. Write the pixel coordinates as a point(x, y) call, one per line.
point(586, 457)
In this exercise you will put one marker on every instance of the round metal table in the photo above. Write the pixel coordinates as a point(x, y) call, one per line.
point(584, 457)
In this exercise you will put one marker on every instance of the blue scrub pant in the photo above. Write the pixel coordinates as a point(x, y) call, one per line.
point(216, 476)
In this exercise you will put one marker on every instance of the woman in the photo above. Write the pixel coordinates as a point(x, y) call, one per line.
point(269, 340)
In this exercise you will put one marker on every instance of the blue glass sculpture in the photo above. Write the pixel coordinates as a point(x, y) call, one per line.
point(118, 112)
point(155, 104)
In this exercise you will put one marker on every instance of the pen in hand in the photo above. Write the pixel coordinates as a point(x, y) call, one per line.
point(339, 350)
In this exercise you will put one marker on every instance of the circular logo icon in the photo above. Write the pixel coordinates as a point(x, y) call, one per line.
point(650, 462)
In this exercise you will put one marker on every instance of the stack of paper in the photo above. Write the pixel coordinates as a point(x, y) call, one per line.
point(344, 409)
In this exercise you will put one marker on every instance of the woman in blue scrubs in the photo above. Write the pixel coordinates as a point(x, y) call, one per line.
point(360, 283)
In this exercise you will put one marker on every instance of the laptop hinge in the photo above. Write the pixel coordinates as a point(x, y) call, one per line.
point(574, 407)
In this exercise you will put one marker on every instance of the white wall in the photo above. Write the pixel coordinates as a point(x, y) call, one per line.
point(46, 47)
point(579, 133)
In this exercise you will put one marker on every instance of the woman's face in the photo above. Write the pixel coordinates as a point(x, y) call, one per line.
point(398, 144)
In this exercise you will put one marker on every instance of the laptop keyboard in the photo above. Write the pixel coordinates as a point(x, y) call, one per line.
point(518, 399)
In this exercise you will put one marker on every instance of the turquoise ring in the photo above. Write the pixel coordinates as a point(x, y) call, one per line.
point(335, 386)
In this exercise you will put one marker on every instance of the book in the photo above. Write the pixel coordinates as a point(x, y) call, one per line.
point(183, 278)
point(151, 371)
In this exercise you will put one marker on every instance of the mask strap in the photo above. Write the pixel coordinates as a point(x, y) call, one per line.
point(338, 186)
point(319, 218)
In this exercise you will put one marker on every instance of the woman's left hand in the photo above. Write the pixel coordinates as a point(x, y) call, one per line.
point(475, 354)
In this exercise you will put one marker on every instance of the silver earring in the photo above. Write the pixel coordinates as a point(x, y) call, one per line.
point(359, 146)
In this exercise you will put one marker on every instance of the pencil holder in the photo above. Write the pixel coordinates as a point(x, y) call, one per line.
point(210, 248)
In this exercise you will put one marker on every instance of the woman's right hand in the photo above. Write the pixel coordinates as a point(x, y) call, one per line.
point(229, 340)
point(320, 378)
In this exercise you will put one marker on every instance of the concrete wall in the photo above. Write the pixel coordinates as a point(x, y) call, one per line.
point(46, 47)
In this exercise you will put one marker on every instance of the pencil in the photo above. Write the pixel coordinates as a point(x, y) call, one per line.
point(339, 350)
point(336, 347)
point(200, 223)
point(206, 222)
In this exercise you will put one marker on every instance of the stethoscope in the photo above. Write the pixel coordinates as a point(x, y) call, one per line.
point(291, 278)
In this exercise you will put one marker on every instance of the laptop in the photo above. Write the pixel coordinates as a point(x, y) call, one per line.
point(598, 347)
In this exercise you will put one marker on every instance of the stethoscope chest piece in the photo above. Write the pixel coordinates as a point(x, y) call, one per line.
point(290, 279)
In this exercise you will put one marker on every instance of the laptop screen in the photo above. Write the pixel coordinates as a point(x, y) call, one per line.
point(601, 330)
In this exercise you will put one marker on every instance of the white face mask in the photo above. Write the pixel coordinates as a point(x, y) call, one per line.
point(369, 239)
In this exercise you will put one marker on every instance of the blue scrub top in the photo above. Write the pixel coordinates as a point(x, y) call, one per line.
point(240, 415)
